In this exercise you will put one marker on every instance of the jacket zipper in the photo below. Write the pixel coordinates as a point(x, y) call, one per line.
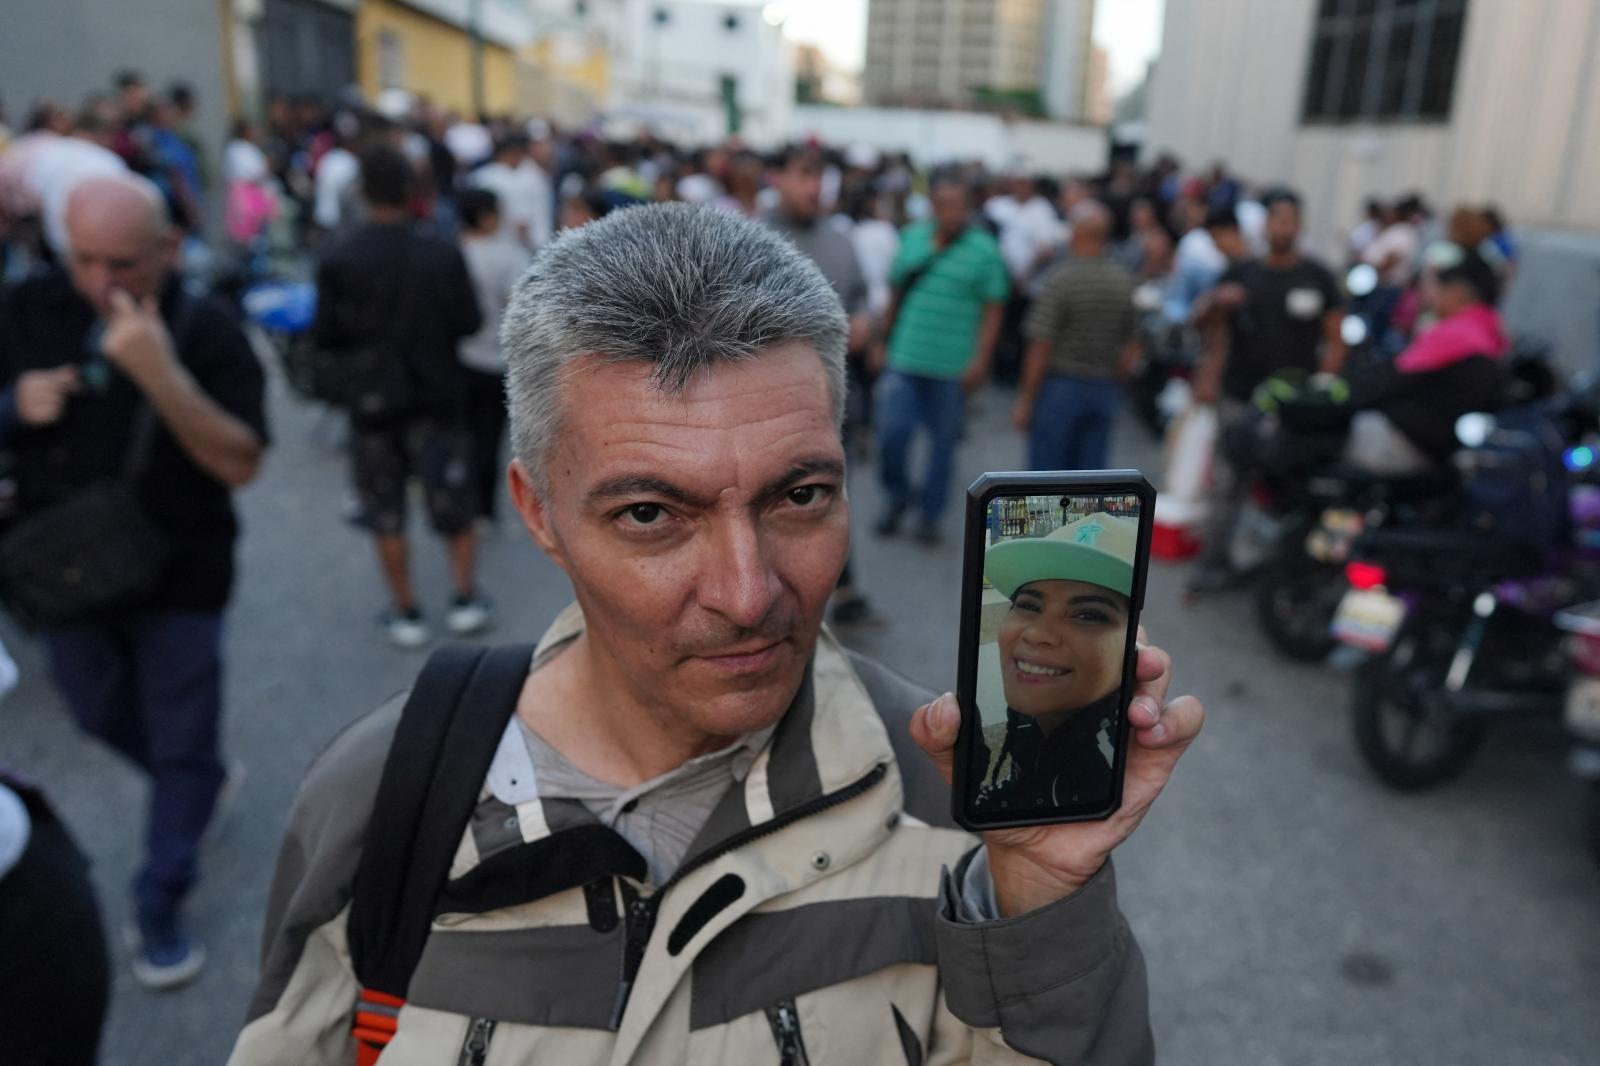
point(475, 1049)
point(640, 913)
point(785, 1021)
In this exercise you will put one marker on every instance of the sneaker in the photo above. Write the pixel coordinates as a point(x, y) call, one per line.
point(856, 610)
point(163, 956)
point(405, 629)
point(468, 615)
point(889, 523)
point(226, 796)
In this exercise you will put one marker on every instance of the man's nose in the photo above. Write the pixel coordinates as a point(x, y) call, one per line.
point(737, 580)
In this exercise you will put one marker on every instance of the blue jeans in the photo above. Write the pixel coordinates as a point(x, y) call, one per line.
point(150, 686)
point(1072, 424)
point(905, 401)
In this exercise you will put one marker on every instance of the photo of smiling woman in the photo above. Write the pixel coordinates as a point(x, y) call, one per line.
point(1058, 607)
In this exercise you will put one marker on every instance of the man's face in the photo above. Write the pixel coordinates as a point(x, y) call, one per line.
point(950, 208)
point(1283, 227)
point(703, 531)
point(116, 248)
point(1229, 241)
point(800, 188)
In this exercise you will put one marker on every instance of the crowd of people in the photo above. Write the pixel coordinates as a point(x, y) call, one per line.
point(417, 227)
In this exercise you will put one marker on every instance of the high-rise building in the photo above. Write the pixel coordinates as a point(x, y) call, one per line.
point(965, 53)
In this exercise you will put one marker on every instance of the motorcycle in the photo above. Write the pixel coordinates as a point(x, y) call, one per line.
point(1459, 622)
point(1581, 712)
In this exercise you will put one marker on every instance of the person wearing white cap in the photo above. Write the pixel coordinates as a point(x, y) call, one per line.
point(1061, 661)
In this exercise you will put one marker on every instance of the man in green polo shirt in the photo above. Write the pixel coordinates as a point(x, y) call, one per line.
point(950, 287)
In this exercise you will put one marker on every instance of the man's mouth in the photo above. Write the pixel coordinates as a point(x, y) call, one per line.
point(745, 657)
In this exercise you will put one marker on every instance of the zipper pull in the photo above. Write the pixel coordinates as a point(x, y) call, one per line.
point(476, 1048)
point(785, 1021)
point(640, 922)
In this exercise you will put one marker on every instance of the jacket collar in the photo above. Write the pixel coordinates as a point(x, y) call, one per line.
point(830, 737)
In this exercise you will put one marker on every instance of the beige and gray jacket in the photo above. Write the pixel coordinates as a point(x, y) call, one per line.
point(815, 921)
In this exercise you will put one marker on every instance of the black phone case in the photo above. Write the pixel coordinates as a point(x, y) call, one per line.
point(1107, 482)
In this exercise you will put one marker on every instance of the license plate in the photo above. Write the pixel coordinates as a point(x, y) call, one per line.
point(1368, 619)
point(1583, 707)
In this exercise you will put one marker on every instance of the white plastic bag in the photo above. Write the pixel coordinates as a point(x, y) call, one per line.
point(1191, 443)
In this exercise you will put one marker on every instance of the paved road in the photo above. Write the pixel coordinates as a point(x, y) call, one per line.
point(1291, 910)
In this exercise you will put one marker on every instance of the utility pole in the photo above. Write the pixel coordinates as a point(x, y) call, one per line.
point(475, 29)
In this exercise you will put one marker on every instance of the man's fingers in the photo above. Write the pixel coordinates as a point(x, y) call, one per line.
point(934, 727)
point(1175, 727)
point(67, 379)
point(149, 306)
point(122, 303)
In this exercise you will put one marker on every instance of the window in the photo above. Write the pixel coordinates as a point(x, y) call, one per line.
point(1383, 60)
point(391, 60)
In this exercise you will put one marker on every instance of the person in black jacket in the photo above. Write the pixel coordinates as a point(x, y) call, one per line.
point(393, 303)
point(107, 359)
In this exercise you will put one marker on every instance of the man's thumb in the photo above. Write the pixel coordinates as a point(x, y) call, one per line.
point(121, 302)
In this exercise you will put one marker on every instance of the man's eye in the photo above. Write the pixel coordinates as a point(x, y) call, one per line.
point(806, 495)
point(644, 514)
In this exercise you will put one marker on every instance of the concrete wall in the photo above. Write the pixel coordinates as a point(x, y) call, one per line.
point(942, 136)
point(1524, 131)
point(68, 48)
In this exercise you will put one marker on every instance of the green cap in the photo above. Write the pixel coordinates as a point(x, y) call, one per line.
point(1097, 549)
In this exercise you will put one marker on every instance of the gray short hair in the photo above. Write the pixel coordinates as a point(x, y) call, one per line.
point(683, 288)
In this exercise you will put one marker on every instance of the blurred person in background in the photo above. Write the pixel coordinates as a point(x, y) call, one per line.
point(496, 263)
point(517, 190)
point(746, 178)
point(186, 122)
point(251, 193)
point(1082, 347)
point(105, 358)
point(1366, 231)
point(337, 173)
point(1031, 236)
point(1280, 312)
point(799, 217)
point(950, 287)
point(399, 301)
point(583, 208)
point(53, 962)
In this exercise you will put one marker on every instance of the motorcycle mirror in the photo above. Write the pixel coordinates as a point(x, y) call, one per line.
point(1362, 279)
point(1473, 429)
point(1353, 329)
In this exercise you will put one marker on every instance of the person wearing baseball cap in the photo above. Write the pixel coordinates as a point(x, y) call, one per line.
point(1061, 647)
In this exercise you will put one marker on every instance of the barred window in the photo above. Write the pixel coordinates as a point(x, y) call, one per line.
point(1384, 60)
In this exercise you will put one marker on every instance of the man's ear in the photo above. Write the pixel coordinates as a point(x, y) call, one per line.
point(535, 515)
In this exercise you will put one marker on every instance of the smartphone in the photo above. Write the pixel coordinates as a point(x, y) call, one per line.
point(1052, 585)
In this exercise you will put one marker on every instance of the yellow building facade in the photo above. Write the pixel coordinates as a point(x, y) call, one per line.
point(400, 47)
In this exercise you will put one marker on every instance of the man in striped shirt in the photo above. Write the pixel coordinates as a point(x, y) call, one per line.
point(1082, 345)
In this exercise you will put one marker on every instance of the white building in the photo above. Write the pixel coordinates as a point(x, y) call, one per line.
point(1464, 100)
point(697, 70)
point(942, 53)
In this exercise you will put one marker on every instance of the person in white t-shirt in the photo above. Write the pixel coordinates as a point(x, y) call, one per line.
point(1395, 249)
point(523, 192)
point(338, 172)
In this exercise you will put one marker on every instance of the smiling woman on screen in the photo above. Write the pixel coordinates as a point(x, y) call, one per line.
point(1061, 650)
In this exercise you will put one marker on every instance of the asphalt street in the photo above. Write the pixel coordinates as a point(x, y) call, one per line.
point(1291, 909)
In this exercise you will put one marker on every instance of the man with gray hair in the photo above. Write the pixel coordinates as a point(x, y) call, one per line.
point(109, 360)
point(705, 832)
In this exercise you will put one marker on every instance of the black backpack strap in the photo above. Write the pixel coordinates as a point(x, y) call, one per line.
point(448, 733)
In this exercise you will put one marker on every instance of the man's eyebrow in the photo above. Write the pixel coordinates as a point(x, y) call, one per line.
point(626, 485)
point(800, 471)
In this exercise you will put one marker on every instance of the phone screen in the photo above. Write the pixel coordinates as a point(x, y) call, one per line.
point(1052, 621)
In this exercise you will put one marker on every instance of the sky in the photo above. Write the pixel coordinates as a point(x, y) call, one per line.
point(1129, 29)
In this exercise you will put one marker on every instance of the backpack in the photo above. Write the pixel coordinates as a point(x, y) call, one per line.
point(449, 731)
point(1515, 486)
